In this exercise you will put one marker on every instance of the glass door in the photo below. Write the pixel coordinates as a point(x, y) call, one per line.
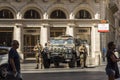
point(29, 43)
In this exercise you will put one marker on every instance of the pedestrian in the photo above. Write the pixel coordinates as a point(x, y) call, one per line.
point(46, 56)
point(112, 67)
point(14, 61)
point(104, 53)
point(83, 55)
point(38, 49)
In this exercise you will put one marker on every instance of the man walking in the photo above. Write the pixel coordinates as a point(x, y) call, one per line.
point(14, 61)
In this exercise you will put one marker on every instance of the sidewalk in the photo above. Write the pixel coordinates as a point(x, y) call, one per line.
point(29, 66)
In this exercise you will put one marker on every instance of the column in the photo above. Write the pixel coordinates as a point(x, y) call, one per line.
point(92, 41)
point(95, 46)
point(70, 29)
point(17, 35)
point(98, 51)
point(45, 34)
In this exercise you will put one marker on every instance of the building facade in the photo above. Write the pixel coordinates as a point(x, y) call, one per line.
point(30, 21)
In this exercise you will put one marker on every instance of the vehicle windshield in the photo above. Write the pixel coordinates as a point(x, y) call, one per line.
point(3, 51)
point(69, 41)
point(57, 41)
point(61, 41)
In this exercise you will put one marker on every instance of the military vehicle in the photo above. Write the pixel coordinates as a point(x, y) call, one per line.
point(60, 50)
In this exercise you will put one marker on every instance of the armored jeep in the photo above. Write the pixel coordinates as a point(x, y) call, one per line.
point(60, 50)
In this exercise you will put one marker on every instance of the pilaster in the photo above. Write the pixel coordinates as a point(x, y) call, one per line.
point(17, 35)
point(45, 34)
point(70, 29)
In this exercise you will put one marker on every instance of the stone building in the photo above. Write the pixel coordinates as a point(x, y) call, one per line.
point(31, 20)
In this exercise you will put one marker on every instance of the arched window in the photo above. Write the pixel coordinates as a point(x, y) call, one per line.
point(58, 14)
point(5, 13)
point(83, 14)
point(32, 14)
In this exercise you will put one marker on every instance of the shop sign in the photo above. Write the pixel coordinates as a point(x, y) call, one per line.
point(103, 27)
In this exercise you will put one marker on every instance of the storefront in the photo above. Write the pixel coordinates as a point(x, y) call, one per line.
point(31, 37)
point(83, 36)
point(6, 36)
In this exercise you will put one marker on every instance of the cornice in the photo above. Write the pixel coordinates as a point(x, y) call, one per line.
point(51, 20)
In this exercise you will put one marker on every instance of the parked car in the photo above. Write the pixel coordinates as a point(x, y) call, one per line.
point(60, 50)
point(3, 61)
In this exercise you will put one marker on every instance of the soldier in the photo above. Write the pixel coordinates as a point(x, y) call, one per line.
point(38, 49)
point(83, 55)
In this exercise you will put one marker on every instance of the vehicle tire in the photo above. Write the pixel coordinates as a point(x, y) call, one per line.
point(72, 62)
point(56, 64)
point(3, 71)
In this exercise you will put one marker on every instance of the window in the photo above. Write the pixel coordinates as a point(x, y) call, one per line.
point(31, 14)
point(57, 31)
point(83, 14)
point(4, 13)
point(58, 14)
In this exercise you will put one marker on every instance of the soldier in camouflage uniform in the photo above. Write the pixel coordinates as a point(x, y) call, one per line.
point(38, 49)
point(83, 55)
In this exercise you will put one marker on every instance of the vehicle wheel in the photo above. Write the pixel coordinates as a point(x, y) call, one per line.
point(72, 62)
point(56, 64)
point(3, 71)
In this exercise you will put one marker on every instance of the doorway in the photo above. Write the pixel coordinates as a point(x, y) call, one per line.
point(29, 43)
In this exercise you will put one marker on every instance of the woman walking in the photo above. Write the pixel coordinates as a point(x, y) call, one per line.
point(112, 67)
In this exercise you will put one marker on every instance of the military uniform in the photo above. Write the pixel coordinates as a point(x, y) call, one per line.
point(83, 55)
point(38, 49)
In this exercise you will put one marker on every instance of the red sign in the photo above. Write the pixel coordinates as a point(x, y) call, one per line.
point(103, 27)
